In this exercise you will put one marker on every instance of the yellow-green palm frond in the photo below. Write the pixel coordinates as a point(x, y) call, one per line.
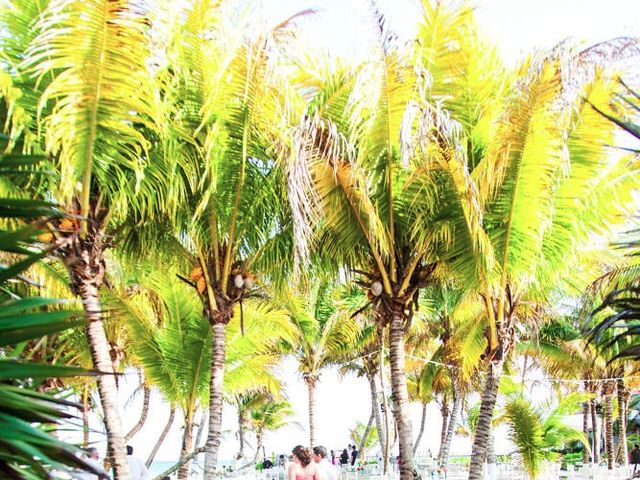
point(265, 326)
point(443, 195)
point(325, 334)
point(97, 50)
point(517, 176)
point(594, 196)
point(528, 435)
point(271, 415)
point(465, 72)
point(469, 340)
point(331, 191)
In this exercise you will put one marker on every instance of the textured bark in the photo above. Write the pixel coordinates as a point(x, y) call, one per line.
point(399, 391)
point(143, 415)
point(311, 391)
point(85, 417)
point(595, 447)
point(161, 438)
point(586, 411)
point(365, 435)
point(187, 445)
point(214, 436)
point(423, 419)
point(242, 425)
point(483, 427)
point(200, 428)
point(623, 399)
point(83, 256)
point(99, 348)
point(375, 408)
point(453, 420)
point(259, 440)
point(444, 413)
point(385, 414)
point(608, 422)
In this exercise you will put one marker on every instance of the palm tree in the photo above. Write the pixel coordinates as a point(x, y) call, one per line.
point(100, 103)
point(364, 435)
point(244, 403)
point(559, 349)
point(267, 416)
point(28, 450)
point(537, 433)
point(171, 339)
point(365, 359)
point(364, 192)
point(222, 120)
point(323, 336)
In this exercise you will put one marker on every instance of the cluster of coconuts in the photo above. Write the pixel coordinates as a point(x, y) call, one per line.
point(241, 280)
point(66, 225)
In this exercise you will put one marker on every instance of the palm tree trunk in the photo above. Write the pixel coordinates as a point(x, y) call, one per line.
point(594, 431)
point(201, 427)
point(586, 410)
point(242, 422)
point(214, 436)
point(375, 408)
point(87, 286)
point(311, 389)
point(143, 415)
point(608, 417)
point(422, 422)
point(85, 416)
point(444, 413)
point(187, 445)
point(623, 398)
point(485, 417)
point(399, 391)
point(385, 413)
point(453, 419)
point(259, 436)
point(365, 435)
point(163, 435)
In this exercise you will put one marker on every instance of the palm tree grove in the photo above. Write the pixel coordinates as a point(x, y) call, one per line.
point(319, 240)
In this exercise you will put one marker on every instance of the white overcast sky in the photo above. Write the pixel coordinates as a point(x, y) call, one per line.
point(517, 26)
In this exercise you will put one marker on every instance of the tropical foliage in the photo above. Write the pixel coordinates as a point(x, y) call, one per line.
point(28, 450)
point(538, 432)
point(215, 197)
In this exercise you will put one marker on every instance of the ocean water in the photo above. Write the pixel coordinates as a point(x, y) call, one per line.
point(157, 467)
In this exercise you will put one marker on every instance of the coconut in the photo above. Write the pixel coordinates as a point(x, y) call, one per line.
point(196, 273)
point(201, 284)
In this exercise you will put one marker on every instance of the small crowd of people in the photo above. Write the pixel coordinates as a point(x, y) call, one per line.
point(319, 454)
point(348, 456)
point(310, 464)
point(137, 468)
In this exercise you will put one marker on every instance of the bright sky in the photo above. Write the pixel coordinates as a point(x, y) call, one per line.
point(517, 26)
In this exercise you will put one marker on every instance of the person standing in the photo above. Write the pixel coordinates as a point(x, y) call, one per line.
point(326, 471)
point(344, 458)
point(136, 466)
point(634, 457)
point(354, 455)
point(302, 467)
